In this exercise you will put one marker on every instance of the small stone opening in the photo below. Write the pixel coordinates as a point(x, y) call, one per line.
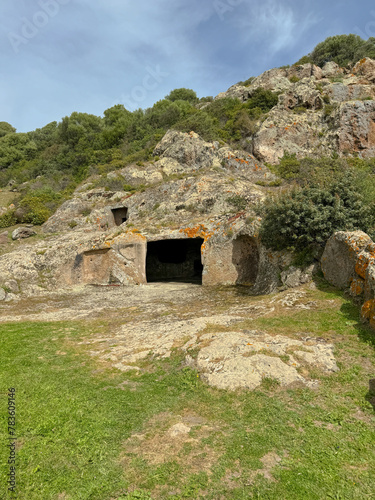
point(175, 260)
point(120, 215)
point(246, 260)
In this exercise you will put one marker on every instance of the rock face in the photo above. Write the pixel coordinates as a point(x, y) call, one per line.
point(348, 262)
point(320, 111)
point(198, 199)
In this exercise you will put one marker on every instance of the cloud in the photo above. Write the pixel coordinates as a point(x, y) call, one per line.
point(277, 25)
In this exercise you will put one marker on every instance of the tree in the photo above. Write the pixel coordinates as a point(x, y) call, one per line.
point(6, 128)
point(182, 95)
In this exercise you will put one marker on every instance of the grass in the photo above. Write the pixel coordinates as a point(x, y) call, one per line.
point(88, 431)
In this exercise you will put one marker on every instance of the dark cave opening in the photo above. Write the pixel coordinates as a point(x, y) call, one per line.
point(120, 215)
point(174, 260)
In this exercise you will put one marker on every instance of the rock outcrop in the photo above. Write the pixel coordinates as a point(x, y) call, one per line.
point(348, 262)
point(205, 194)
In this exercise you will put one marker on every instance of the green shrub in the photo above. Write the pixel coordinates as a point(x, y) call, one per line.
point(294, 79)
point(345, 50)
point(8, 219)
point(309, 216)
point(263, 99)
point(237, 201)
point(299, 110)
point(289, 166)
point(182, 95)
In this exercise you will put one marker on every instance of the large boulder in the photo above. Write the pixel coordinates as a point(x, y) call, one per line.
point(365, 68)
point(22, 232)
point(340, 256)
point(188, 149)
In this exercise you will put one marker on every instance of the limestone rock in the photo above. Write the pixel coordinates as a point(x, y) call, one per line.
point(303, 94)
point(136, 175)
point(331, 69)
point(342, 92)
point(305, 71)
point(289, 132)
point(188, 149)
point(12, 285)
point(365, 68)
point(22, 232)
point(295, 276)
point(340, 256)
point(235, 91)
point(233, 360)
point(275, 80)
point(356, 132)
point(2, 294)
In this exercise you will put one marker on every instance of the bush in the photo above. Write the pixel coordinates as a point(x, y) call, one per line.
point(345, 50)
point(311, 215)
point(182, 95)
point(8, 219)
point(263, 99)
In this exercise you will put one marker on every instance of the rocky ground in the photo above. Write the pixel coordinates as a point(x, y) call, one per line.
point(214, 327)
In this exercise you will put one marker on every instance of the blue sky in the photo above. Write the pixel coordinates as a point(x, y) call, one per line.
point(60, 56)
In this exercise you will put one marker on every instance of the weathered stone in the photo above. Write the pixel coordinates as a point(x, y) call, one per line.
point(340, 257)
point(22, 232)
point(4, 238)
point(368, 312)
point(233, 360)
point(305, 71)
point(356, 132)
point(188, 149)
point(294, 276)
point(341, 92)
point(365, 68)
point(12, 285)
point(357, 287)
point(302, 94)
point(331, 69)
point(235, 91)
point(2, 294)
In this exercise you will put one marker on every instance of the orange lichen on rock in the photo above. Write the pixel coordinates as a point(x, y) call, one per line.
point(199, 231)
point(368, 312)
point(362, 265)
point(357, 287)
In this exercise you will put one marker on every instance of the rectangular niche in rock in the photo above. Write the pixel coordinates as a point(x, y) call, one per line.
point(97, 266)
point(174, 260)
point(120, 215)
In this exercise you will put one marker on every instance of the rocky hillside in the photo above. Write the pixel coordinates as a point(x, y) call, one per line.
point(192, 188)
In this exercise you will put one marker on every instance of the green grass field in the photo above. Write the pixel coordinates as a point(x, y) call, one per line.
point(88, 431)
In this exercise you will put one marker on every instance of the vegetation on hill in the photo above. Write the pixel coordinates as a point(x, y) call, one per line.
point(47, 164)
point(324, 196)
point(345, 50)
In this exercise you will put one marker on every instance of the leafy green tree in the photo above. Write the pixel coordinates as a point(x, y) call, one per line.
point(6, 128)
point(16, 147)
point(183, 95)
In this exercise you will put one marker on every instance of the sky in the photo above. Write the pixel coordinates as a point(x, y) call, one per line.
point(60, 56)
